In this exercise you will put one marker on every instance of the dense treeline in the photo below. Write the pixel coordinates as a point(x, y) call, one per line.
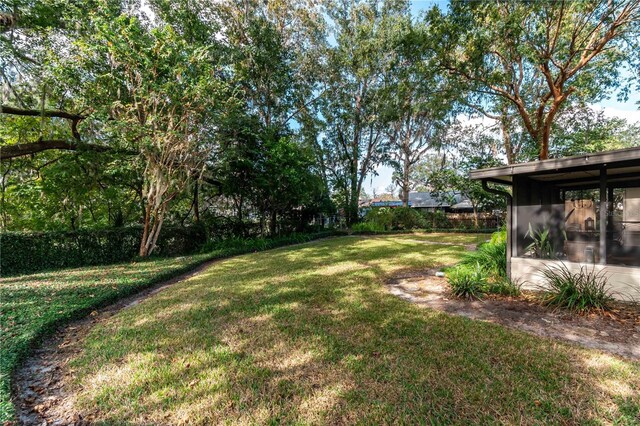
point(260, 118)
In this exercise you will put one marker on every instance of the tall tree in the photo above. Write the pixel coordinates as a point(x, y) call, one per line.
point(474, 149)
point(167, 99)
point(418, 99)
point(356, 139)
point(536, 56)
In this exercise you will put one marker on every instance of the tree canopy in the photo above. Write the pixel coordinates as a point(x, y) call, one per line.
point(266, 117)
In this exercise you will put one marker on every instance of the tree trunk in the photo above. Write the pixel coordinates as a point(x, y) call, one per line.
point(272, 223)
point(352, 205)
point(152, 225)
point(196, 203)
point(405, 182)
point(506, 136)
point(145, 231)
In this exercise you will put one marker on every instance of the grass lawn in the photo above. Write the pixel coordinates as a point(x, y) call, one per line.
point(445, 237)
point(33, 305)
point(309, 335)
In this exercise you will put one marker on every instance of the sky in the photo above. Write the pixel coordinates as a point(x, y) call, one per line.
point(612, 108)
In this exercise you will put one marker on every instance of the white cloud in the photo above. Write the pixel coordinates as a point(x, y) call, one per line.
point(631, 115)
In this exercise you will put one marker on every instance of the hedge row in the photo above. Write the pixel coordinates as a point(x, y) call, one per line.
point(22, 253)
point(425, 230)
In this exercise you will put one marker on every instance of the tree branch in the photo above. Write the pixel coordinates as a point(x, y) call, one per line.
point(4, 109)
point(21, 150)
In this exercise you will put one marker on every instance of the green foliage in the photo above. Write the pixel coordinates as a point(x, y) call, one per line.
point(359, 67)
point(30, 252)
point(580, 291)
point(72, 293)
point(491, 259)
point(542, 246)
point(237, 245)
point(469, 282)
point(499, 237)
point(491, 256)
point(381, 217)
point(582, 129)
point(406, 218)
point(366, 227)
point(504, 287)
point(512, 57)
point(436, 220)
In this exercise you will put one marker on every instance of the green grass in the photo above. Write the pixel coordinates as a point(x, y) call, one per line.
point(31, 306)
point(309, 335)
point(445, 237)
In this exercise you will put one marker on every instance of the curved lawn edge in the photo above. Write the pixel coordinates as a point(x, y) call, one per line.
point(290, 330)
point(14, 353)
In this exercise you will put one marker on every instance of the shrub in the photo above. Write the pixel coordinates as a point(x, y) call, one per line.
point(499, 237)
point(25, 252)
point(367, 227)
point(542, 246)
point(436, 220)
point(408, 218)
point(381, 217)
point(236, 245)
point(491, 256)
point(468, 282)
point(580, 291)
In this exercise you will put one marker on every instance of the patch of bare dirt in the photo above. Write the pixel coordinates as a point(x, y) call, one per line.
point(616, 331)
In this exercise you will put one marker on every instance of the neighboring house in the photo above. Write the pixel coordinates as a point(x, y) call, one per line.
point(590, 207)
point(426, 201)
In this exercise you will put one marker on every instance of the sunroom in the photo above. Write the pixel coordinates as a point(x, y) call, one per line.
point(581, 211)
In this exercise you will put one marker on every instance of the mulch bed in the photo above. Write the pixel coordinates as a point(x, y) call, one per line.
point(616, 331)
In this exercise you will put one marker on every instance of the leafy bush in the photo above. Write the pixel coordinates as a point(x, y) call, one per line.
point(436, 220)
point(236, 245)
point(382, 217)
point(491, 256)
point(25, 252)
point(408, 218)
point(367, 227)
point(491, 260)
point(467, 282)
point(499, 237)
point(580, 291)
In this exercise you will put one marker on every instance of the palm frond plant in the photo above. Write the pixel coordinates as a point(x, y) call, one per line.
point(542, 246)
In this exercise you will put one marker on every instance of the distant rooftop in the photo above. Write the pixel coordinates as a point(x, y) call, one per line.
point(435, 199)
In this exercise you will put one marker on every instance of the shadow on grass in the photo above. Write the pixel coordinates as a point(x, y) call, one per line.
point(310, 335)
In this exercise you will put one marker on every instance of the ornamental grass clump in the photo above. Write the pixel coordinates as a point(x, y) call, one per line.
point(580, 291)
point(504, 287)
point(468, 282)
point(492, 258)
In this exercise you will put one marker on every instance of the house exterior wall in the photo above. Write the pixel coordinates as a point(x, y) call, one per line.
point(623, 282)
